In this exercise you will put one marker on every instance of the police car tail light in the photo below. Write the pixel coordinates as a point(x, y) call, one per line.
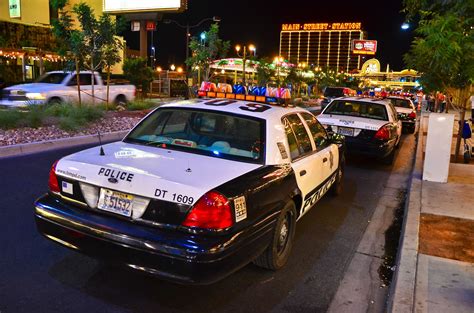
point(90, 194)
point(383, 133)
point(212, 211)
point(412, 114)
point(53, 183)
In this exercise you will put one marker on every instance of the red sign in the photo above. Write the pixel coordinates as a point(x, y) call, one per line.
point(364, 47)
point(150, 25)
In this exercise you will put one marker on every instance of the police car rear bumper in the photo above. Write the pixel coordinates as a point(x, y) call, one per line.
point(169, 254)
point(368, 148)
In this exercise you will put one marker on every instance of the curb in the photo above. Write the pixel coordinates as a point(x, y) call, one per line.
point(402, 292)
point(28, 148)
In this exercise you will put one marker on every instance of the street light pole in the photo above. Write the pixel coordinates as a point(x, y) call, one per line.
point(188, 28)
point(244, 58)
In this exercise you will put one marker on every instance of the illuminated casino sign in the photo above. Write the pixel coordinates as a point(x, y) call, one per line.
point(321, 26)
point(125, 6)
point(367, 47)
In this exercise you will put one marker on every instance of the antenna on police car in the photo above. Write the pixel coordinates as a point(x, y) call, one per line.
point(100, 142)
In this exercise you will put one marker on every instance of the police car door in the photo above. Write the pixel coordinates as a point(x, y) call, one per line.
point(305, 160)
point(329, 152)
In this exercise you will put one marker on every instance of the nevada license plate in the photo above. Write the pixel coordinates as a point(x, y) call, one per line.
point(346, 131)
point(115, 202)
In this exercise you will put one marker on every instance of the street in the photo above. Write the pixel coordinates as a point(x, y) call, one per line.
point(38, 275)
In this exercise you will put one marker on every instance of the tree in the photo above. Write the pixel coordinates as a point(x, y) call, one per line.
point(112, 46)
point(138, 73)
point(100, 45)
point(443, 50)
point(204, 52)
point(93, 43)
point(69, 39)
point(265, 71)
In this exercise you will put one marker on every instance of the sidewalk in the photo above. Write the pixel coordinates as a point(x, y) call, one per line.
point(435, 270)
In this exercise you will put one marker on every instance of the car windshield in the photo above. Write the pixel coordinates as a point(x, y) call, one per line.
point(404, 103)
point(52, 78)
point(334, 92)
point(210, 133)
point(358, 108)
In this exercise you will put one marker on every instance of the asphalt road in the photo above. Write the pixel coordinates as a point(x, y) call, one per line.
point(37, 275)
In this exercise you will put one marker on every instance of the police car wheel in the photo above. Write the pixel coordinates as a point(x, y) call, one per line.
point(337, 187)
point(278, 251)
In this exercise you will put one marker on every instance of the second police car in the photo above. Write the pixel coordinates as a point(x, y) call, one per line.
point(196, 190)
point(406, 112)
point(370, 125)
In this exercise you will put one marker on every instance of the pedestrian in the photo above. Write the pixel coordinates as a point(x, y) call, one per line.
point(472, 108)
point(441, 102)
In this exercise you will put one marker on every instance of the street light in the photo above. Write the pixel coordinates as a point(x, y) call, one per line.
point(405, 26)
point(252, 49)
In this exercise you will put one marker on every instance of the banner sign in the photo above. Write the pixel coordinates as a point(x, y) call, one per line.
point(368, 47)
point(14, 8)
point(121, 6)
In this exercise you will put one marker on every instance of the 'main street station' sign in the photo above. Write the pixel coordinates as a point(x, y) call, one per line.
point(321, 26)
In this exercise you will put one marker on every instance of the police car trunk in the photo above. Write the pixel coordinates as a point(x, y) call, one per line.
point(365, 124)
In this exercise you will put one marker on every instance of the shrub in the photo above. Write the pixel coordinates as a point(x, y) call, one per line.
point(140, 105)
point(138, 73)
point(10, 118)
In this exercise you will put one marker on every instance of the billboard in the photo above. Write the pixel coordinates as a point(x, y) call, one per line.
point(368, 47)
point(128, 6)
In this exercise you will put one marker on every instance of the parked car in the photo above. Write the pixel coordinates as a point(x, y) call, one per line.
point(196, 190)
point(406, 111)
point(59, 87)
point(370, 126)
point(331, 93)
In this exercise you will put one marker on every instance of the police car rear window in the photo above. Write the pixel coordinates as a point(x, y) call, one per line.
point(204, 132)
point(400, 103)
point(358, 108)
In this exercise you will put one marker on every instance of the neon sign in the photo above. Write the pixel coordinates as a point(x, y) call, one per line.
point(321, 26)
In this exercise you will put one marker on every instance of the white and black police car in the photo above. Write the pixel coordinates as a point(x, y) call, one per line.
point(370, 125)
point(406, 112)
point(196, 190)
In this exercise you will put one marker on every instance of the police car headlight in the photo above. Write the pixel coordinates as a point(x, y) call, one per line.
point(90, 194)
point(35, 96)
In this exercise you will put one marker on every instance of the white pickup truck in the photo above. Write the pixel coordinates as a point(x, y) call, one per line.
point(61, 87)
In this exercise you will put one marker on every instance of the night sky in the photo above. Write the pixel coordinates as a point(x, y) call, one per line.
point(259, 22)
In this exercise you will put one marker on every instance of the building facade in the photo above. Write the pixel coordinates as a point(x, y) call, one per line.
point(27, 45)
point(322, 44)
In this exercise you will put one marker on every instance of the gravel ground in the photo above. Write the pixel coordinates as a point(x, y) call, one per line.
point(111, 122)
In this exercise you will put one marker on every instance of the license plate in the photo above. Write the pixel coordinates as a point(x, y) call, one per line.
point(346, 131)
point(115, 202)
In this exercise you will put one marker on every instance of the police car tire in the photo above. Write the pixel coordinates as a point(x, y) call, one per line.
point(271, 258)
point(336, 188)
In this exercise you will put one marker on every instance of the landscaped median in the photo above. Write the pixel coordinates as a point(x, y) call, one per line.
point(44, 124)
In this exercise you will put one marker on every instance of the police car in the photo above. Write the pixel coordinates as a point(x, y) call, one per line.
point(406, 112)
point(370, 125)
point(196, 190)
